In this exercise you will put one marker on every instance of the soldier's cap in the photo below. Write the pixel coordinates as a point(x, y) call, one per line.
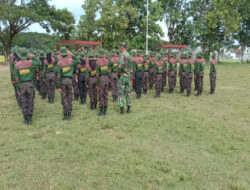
point(101, 53)
point(63, 51)
point(183, 55)
point(158, 56)
point(54, 52)
point(82, 55)
point(190, 54)
point(23, 53)
point(41, 53)
point(48, 51)
point(123, 44)
point(114, 52)
point(91, 56)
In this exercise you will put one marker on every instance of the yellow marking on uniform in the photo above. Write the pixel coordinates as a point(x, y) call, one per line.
point(83, 69)
point(174, 65)
point(185, 65)
point(104, 68)
point(24, 71)
point(50, 66)
point(93, 72)
point(203, 63)
point(160, 67)
point(66, 69)
point(146, 66)
point(116, 64)
point(139, 65)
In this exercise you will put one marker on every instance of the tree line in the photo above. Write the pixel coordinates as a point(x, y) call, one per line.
point(209, 24)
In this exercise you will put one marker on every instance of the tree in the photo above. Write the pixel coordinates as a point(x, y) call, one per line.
point(87, 26)
point(243, 34)
point(16, 17)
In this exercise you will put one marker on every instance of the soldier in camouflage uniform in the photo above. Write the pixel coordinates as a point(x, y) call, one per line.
point(165, 68)
point(159, 70)
point(81, 76)
point(182, 72)
point(199, 69)
point(188, 67)
point(13, 60)
point(212, 74)
point(43, 84)
point(24, 72)
point(172, 73)
point(49, 75)
point(92, 80)
point(145, 74)
point(113, 65)
point(103, 78)
point(125, 69)
point(151, 73)
point(75, 85)
point(138, 69)
point(64, 81)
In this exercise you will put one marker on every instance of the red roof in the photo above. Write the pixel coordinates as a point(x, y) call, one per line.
point(171, 46)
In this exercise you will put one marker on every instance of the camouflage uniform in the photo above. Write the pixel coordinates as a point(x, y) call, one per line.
point(212, 75)
point(145, 76)
point(189, 69)
point(64, 79)
point(172, 74)
point(125, 69)
point(24, 74)
point(138, 69)
point(151, 73)
point(114, 77)
point(158, 83)
point(199, 69)
point(103, 75)
point(74, 83)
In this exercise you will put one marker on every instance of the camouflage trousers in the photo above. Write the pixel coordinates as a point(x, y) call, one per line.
point(92, 90)
point(145, 80)
point(51, 84)
point(75, 86)
point(164, 79)
point(151, 77)
point(188, 81)
point(16, 94)
point(200, 81)
point(195, 81)
point(182, 81)
point(124, 90)
point(158, 83)
point(114, 83)
point(43, 86)
point(27, 98)
point(171, 79)
point(138, 82)
point(213, 81)
point(66, 94)
point(103, 90)
point(82, 86)
point(175, 78)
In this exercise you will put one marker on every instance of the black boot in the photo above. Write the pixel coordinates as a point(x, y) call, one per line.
point(137, 95)
point(69, 116)
point(49, 101)
point(82, 101)
point(188, 93)
point(105, 110)
point(116, 98)
point(25, 121)
point(94, 106)
point(212, 92)
point(101, 111)
point(113, 98)
point(128, 110)
point(65, 114)
point(122, 110)
point(198, 93)
point(91, 106)
point(76, 97)
point(43, 97)
point(182, 91)
point(52, 100)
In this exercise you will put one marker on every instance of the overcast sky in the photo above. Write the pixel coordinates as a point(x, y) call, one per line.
point(75, 6)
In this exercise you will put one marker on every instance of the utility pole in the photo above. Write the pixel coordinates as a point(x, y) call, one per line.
point(147, 31)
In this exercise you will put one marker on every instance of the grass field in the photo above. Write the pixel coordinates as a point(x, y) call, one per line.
point(1, 59)
point(176, 143)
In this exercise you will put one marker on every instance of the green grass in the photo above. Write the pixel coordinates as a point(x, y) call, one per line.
point(1, 59)
point(174, 142)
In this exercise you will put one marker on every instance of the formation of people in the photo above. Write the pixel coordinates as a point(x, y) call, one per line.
point(76, 74)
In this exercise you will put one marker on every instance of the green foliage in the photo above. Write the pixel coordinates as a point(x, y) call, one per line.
point(36, 40)
point(17, 16)
point(121, 20)
point(173, 142)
